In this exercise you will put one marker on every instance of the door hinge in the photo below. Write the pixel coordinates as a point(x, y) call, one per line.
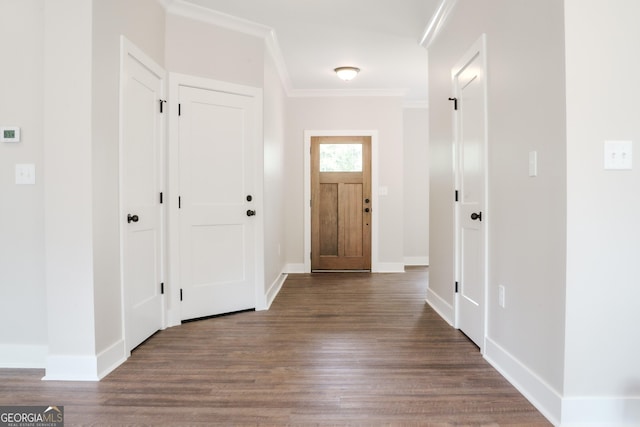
point(180, 294)
point(455, 103)
point(162, 288)
point(179, 202)
point(179, 109)
point(161, 198)
point(162, 102)
point(456, 287)
point(456, 195)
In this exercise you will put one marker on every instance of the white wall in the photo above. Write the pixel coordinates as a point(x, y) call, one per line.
point(416, 186)
point(526, 217)
point(274, 175)
point(602, 383)
point(348, 113)
point(23, 336)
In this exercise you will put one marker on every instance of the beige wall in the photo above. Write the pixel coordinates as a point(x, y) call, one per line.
point(348, 113)
point(142, 23)
point(603, 237)
point(274, 173)
point(22, 291)
point(416, 185)
point(525, 216)
point(200, 49)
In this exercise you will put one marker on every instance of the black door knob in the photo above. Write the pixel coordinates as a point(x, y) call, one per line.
point(251, 212)
point(366, 200)
point(132, 218)
point(367, 210)
point(476, 216)
point(249, 198)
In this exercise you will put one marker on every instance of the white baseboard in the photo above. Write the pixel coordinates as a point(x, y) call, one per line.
point(541, 395)
point(110, 358)
point(600, 411)
point(273, 291)
point(416, 260)
point(388, 267)
point(23, 356)
point(440, 306)
point(71, 368)
point(294, 268)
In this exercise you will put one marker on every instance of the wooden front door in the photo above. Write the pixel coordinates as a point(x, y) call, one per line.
point(341, 203)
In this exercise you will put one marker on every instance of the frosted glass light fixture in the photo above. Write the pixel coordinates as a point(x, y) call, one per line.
point(347, 73)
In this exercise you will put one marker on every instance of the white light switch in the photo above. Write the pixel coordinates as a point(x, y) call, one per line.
point(618, 155)
point(25, 174)
point(533, 163)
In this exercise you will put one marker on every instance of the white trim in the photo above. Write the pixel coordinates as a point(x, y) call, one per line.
point(176, 80)
point(541, 395)
point(374, 193)
point(71, 368)
point(440, 306)
point(600, 411)
point(273, 291)
point(437, 22)
point(214, 17)
point(416, 260)
point(23, 356)
point(110, 358)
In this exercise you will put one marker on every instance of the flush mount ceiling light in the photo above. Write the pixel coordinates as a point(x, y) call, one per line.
point(347, 73)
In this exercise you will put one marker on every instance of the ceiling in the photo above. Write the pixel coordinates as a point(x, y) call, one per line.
point(381, 37)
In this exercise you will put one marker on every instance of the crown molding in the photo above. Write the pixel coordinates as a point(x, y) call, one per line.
point(268, 34)
point(233, 23)
point(437, 22)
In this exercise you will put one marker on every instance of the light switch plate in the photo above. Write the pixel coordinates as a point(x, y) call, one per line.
point(618, 155)
point(25, 174)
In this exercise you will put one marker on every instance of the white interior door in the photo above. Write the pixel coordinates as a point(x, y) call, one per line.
point(469, 78)
point(141, 215)
point(217, 212)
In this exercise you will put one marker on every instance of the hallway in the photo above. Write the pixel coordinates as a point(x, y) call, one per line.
point(334, 349)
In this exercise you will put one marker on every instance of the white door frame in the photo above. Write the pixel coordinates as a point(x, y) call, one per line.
point(127, 48)
point(478, 48)
point(374, 191)
point(173, 289)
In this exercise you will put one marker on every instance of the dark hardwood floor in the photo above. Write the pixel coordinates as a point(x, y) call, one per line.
point(334, 349)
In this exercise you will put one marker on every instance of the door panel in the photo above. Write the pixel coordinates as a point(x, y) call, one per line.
point(469, 81)
point(142, 131)
point(217, 258)
point(340, 183)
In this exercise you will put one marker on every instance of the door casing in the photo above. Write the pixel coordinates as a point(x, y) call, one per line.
point(374, 191)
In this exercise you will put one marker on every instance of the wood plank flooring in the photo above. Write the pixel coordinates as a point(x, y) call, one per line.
point(334, 349)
